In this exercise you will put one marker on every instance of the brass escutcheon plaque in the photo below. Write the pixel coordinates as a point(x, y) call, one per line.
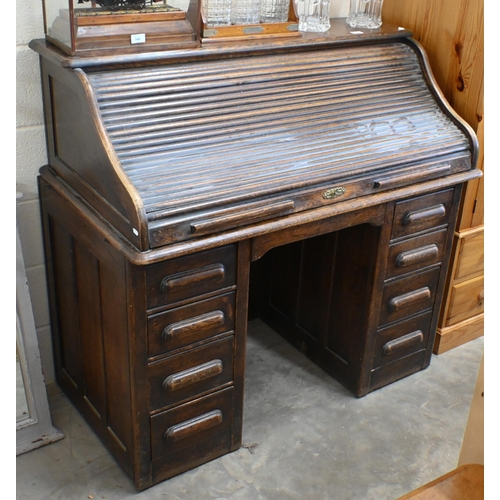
point(334, 193)
point(250, 30)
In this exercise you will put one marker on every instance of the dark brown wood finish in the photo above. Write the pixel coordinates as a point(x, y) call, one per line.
point(317, 181)
point(93, 364)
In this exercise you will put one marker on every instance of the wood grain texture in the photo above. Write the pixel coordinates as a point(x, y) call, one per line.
point(470, 259)
point(199, 141)
point(467, 482)
point(472, 451)
point(453, 336)
point(300, 157)
point(452, 33)
point(467, 300)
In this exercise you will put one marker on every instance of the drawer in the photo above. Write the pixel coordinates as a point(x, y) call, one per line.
point(190, 276)
point(466, 300)
point(470, 259)
point(416, 253)
point(191, 373)
point(191, 423)
point(401, 339)
point(422, 213)
point(186, 325)
point(398, 369)
point(409, 295)
point(172, 464)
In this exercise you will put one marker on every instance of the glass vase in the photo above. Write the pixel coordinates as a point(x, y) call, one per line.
point(314, 15)
point(274, 11)
point(245, 11)
point(365, 14)
point(217, 12)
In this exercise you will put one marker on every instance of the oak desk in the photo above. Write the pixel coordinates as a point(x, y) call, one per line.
point(314, 180)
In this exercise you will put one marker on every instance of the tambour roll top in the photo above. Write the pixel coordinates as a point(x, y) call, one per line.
point(206, 146)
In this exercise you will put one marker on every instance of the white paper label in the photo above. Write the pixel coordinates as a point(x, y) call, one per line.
point(139, 38)
point(357, 32)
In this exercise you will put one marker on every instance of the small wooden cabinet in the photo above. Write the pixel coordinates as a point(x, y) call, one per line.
point(463, 312)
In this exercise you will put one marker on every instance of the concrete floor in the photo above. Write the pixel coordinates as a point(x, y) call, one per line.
point(307, 437)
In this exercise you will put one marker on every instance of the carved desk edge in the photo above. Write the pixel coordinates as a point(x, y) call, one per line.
point(137, 257)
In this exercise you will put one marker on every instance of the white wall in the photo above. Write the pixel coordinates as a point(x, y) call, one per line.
point(31, 155)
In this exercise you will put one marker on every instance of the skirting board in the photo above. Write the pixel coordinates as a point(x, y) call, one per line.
point(458, 334)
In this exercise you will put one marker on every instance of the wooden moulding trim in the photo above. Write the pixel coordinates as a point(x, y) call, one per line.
point(458, 334)
point(464, 233)
point(147, 257)
point(128, 18)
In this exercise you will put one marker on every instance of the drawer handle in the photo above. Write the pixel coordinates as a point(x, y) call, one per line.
point(418, 255)
point(214, 272)
point(417, 216)
point(198, 324)
point(403, 342)
point(480, 298)
point(250, 216)
point(193, 426)
point(408, 299)
point(192, 375)
point(418, 175)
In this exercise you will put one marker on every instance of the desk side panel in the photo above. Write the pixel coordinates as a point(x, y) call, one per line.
point(79, 152)
point(91, 325)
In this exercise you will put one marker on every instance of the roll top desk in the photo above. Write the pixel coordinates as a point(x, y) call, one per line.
point(313, 181)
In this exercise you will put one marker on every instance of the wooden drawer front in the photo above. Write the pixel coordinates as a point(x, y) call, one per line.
point(191, 373)
point(189, 324)
point(416, 253)
point(422, 213)
point(191, 423)
point(187, 277)
point(407, 296)
point(401, 339)
point(467, 300)
point(470, 256)
point(399, 368)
